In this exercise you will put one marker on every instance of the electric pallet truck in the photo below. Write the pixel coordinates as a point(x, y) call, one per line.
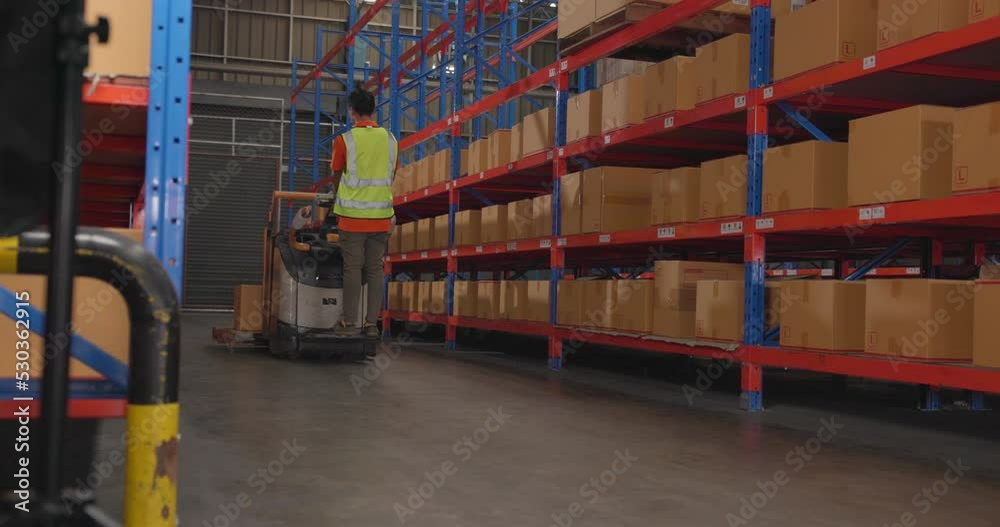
point(41, 83)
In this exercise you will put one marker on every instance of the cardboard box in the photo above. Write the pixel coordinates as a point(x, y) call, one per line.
point(409, 236)
point(898, 20)
point(670, 86)
point(468, 227)
point(424, 297)
point(920, 319)
point(826, 315)
point(396, 240)
point(499, 149)
point(781, 8)
point(514, 300)
point(571, 201)
point(488, 300)
point(633, 306)
point(520, 220)
point(248, 306)
point(466, 295)
point(479, 156)
point(723, 188)
point(569, 310)
point(517, 142)
point(425, 234)
point(977, 140)
point(676, 292)
point(980, 10)
point(440, 235)
point(599, 297)
point(437, 305)
point(676, 196)
point(615, 199)
point(989, 273)
point(542, 216)
point(574, 16)
point(723, 67)
point(805, 176)
point(411, 297)
point(424, 169)
point(985, 330)
point(129, 48)
point(539, 131)
point(136, 235)
point(735, 7)
point(610, 70)
point(719, 310)
point(538, 301)
point(494, 224)
point(901, 156)
point(583, 116)
point(440, 167)
point(621, 104)
point(100, 315)
point(835, 30)
point(396, 296)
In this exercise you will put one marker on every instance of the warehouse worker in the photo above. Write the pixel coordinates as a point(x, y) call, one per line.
point(364, 165)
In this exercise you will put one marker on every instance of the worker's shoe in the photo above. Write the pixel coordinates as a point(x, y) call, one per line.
point(371, 331)
point(346, 330)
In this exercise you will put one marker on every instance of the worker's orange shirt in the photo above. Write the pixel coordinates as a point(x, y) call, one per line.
point(339, 164)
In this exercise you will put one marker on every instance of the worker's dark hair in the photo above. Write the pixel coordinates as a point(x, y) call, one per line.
point(361, 100)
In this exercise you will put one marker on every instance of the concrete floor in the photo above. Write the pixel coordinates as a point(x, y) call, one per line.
point(430, 422)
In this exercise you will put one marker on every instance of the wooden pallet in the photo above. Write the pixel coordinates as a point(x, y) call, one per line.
point(233, 338)
point(683, 38)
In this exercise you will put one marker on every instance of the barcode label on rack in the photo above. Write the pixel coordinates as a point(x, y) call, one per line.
point(561, 242)
point(479, 249)
point(871, 213)
point(454, 252)
point(914, 271)
point(769, 92)
point(869, 62)
point(733, 227)
point(666, 232)
point(564, 65)
point(406, 199)
point(545, 244)
point(562, 152)
point(404, 256)
point(548, 155)
point(423, 254)
point(827, 272)
point(764, 224)
point(481, 175)
point(444, 253)
point(668, 122)
point(605, 238)
point(447, 186)
point(552, 72)
point(607, 139)
point(512, 246)
point(791, 272)
point(740, 101)
point(878, 213)
point(427, 191)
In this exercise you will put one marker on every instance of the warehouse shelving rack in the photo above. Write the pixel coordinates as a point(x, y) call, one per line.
point(950, 68)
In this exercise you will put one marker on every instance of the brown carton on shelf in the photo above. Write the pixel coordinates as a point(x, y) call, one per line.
point(621, 103)
point(463, 163)
point(538, 301)
point(723, 68)
point(542, 216)
point(437, 304)
point(574, 16)
point(902, 155)
point(435, 167)
point(723, 188)
point(411, 297)
point(610, 70)
point(425, 234)
point(781, 8)
point(248, 308)
point(980, 10)
point(499, 148)
point(494, 223)
point(539, 131)
point(835, 30)
point(479, 156)
point(583, 116)
point(128, 50)
point(805, 176)
point(396, 240)
point(423, 176)
point(615, 199)
point(440, 235)
point(919, 319)
point(396, 296)
point(719, 310)
point(989, 273)
point(735, 7)
point(514, 300)
point(676, 291)
point(670, 86)
point(466, 295)
point(571, 200)
point(100, 315)
point(824, 315)
point(633, 306)
point(977, 140)
point(676, 196)
point(520, 220)
point(985, 330)
point(517, 142)
point(598, 303)
point(488, 300)
point(409, 237)
point(899, 22)
point(569, 310)
point(468, 227)
point(424, 297)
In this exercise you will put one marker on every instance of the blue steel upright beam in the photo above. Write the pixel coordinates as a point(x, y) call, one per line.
point(557, 253)
point(317, 105)
point(167, 135)
point(456, 167)
point(395, 104)
point(421, 108)
point(478, 49)
point(352, 18)
point(507, 63)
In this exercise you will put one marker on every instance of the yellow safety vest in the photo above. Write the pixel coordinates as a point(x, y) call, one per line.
point(366, 187)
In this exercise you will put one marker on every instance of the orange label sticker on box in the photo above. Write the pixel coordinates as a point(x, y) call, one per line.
point(872, 339)
point(849, 50)
point(962, 176)
point(977, 8)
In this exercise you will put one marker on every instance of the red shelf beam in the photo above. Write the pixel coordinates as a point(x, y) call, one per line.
point(78, 408)
point(107, 93)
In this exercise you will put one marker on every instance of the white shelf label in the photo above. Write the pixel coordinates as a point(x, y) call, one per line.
point(552, 72)
point(878, 213)
point(827, 272)
point(764, 224)
point(548, 155)
point(564, 65)
point(605, 238)
point(545, 244)
point(666, 232)
point(427, 191)
point(562, 152)
point(668, 122)
point(447, 186)
point(869, 62)
point(482, 175)
point(406, 198)
point(423, 254)
point(479, 249)
point(871, 213)
point(769, 92)
point(607, 139)
point(444, 253)
point(388, 258)
point(791, 272)
point(913, 271)
point(733, 227)
point(512, 246)
point(740, 101)
point(561, 242)
point(404, 256)
point(454, 252)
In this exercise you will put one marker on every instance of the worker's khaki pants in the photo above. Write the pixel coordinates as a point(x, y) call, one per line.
point(363, 250)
